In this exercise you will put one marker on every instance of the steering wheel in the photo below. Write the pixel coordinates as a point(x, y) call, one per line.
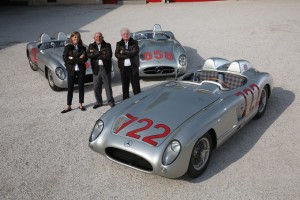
point(220, 81)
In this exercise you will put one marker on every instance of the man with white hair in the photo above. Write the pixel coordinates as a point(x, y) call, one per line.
point(100, 54)
point(127, 53)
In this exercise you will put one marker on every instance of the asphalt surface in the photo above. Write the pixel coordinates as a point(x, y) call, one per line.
point(45, 154)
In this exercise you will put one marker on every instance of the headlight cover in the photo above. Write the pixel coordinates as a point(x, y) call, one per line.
point(96, 130)
point(182, 60)
point(60, 73)
point(171, 152)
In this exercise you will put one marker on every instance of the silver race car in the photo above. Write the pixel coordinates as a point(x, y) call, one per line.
point(45, 55)
point(171, 129)
point(160, 53)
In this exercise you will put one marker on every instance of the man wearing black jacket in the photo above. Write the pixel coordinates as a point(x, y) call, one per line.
point(100, 54)
point(127, 53)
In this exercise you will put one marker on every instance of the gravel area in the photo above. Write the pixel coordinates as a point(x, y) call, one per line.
point(45, 154)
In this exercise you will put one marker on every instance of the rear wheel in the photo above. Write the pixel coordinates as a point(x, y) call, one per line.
point(51, 82)
point(262, 103)
point(200, 156)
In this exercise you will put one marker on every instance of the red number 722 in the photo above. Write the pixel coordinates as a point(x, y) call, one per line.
point(245, 93)
point(147, 124)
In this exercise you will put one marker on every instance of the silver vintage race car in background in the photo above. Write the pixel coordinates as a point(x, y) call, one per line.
point(160, 53)
point(45, 56)
point(171, 129)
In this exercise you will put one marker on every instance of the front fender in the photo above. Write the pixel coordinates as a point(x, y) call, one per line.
point(46, 61)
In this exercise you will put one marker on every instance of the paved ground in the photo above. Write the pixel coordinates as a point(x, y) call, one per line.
point(45, 155)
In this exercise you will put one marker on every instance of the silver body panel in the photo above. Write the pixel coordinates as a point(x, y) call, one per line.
point(189, 109)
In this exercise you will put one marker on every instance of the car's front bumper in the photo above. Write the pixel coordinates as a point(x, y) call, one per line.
point(64, 83)
point(138, 155)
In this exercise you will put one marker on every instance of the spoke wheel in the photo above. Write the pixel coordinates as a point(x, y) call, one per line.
point(51, 81)
point(200, 156)
point(262, 103)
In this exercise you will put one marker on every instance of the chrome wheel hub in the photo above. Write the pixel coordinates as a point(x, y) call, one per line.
point(201, 153)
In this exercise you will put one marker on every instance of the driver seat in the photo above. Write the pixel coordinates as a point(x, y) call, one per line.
point(45, 38)
point(157, 28)
point(156, 31)
point(62, 36)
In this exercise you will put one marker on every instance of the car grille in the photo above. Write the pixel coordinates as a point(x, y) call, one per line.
point(159, 70)
point(87, 79)
point(128, 158)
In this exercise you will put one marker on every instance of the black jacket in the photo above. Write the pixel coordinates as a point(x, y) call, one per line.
point(105, 54)
point(72, 57)
point(132, 53)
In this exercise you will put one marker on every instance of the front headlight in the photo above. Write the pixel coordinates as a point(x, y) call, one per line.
point(60, 73)
point(171, 152)
point(182, 60)
point(97, 130)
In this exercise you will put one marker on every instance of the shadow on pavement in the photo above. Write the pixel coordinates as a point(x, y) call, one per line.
point(246, 138)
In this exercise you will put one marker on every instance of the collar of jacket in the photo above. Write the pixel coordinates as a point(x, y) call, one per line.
point(72, 46)
point(130, 41)
point(102, 43)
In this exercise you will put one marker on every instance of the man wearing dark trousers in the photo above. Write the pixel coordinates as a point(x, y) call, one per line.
point(100, 54)
point(127, 53)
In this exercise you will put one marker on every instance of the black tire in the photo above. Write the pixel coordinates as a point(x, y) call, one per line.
point(263, 101)
point(200, 156)
point(50, 81)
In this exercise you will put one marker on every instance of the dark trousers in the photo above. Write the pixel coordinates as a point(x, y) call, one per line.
point(71, 82)
point(130, 76)
point(105, 79)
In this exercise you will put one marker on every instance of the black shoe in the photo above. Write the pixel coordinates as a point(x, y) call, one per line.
point(97, 106)
point(111, 104)
point(67, 110)
point(82, 108)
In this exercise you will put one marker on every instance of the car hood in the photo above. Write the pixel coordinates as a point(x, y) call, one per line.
point(163, 110)
point(159, 50)
point(157, 45)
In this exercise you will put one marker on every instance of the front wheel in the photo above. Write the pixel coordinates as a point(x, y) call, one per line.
point(200, 156)
point(32, 65)
point(262, 103)
point(51, 82)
